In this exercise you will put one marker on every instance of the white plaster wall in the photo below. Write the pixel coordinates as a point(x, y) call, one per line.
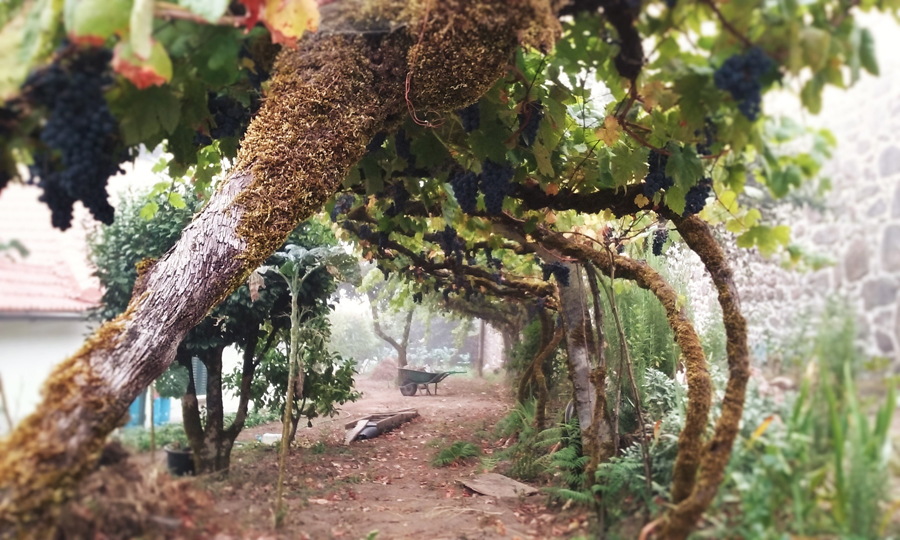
point(29, 348)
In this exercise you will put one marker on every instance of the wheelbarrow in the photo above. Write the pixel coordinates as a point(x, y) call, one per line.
point(411, 380)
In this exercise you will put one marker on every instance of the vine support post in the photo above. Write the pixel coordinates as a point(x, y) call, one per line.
point(286, 422)
point(5, 406)
point(150, 392)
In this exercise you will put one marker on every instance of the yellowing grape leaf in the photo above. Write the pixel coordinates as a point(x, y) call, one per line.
point(285, 19)
point(155, 70)
point(93, 21)
point(641, 200)
point(610, 131)
point(655, 93)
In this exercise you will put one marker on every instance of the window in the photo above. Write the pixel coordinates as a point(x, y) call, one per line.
point(201, 376)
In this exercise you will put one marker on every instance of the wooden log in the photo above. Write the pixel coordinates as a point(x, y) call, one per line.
point(378, 415)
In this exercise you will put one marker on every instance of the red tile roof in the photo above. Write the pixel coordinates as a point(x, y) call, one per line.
point(55, 277)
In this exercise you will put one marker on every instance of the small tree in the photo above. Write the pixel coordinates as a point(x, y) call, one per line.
point(251, 320)
point(298, 265)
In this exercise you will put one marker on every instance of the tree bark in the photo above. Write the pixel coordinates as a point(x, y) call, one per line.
point(400, 346)
point(690, 441)
point(589, 384)
point(528, 374)
point(481, 350)
point(683, 518)
point(327, 100)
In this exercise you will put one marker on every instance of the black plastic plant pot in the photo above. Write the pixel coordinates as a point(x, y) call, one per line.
point(180, 462)
point(369, 432)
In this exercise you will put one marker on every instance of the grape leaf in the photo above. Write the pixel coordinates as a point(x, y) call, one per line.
point(210, 10)
point(285, 19)
point(149, 210)
point(867, 52)
point(154, 70)
point(144, 114)
point(542, 156)
point(176, 200)
point(814, 43)
point(627, 164)
point(684, 166)
point(93, 21)
point(767, 239)
point(141, 28)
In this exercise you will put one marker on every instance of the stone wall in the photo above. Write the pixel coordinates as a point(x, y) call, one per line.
point(857, 227)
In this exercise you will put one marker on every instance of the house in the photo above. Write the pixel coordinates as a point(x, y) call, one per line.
point(45, 298)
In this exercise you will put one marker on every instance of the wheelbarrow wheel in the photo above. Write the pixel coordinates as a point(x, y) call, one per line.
point(409, 389)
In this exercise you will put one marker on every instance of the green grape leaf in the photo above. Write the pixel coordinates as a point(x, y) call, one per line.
point(145, 115)
point(429, 150)
point(811, 94)
point(627, 164)
point(767, 239)
point(867, 57)
point(176, 200)
point(149, 210)
point(814, 42)
point(684, 166)
point(542, 156)
point(782, 180)
point(94, 21)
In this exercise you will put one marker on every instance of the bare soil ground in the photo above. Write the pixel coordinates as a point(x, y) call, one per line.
point(387, 484)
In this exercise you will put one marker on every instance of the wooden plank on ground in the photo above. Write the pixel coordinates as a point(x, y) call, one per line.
point(497, 485)
point(360, 425)
point(391, 422)
point(383, 414)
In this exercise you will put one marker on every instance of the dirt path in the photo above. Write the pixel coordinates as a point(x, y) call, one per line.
point(388, 484)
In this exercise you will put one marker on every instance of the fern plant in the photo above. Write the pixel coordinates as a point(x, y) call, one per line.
point(567, 462)
point(458, 451)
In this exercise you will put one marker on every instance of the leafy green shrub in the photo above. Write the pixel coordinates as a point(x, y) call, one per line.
point(138, 438)
point(814, 464)
point(458, 451)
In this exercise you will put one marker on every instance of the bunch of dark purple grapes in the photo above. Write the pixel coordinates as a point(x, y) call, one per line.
point(80, 135)
point(229, 115)
point(451, 243)
point(470, 117)
point(695, 198)
point(496, 184)
point(342, 205)
point(656, 179)
point(709, 137)
point(659, 239)
point(557, 270)
point(400, 197)
point(465, 188)
point(529, 122)
point(740, 76)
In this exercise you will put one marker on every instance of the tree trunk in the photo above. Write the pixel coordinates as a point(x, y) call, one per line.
point(589, 396)
point(399, 346)
point(210, 443)
point(327, 100)
point(683, 518)
point(528, 374)
point(481, 350)
point(690, 442)
point(540, 380)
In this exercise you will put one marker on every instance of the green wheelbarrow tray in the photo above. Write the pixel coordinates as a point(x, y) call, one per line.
point(411, 380)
